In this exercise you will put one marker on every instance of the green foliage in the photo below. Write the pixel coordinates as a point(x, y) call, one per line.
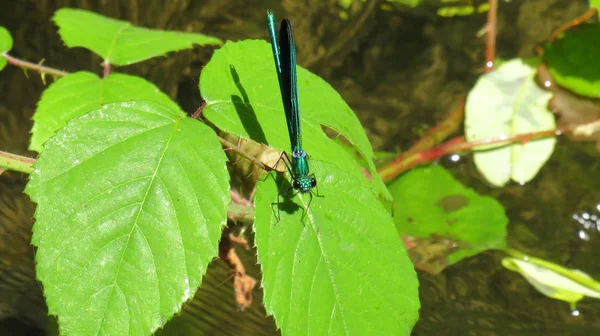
point(118, 42)
point(131, 195)
point(573, 60)
point(240, 88)
point(125, 225)
point(428, 201)
point(81, 92)
point(6, 43)
point(552, 280)
point(408, 3)
point(343, 270)
point(507, 102)
point(343, 231)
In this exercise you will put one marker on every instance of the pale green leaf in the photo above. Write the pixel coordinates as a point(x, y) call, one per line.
point(553, 280)
point(242, 96)
point(507, 102)
point(408, 3)
point(130, 203)
point(342, 270)
point(6, 43)
point(78, 93)
point(430, 202)
point(119, 42)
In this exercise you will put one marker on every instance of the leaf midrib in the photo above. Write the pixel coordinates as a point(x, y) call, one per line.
point(135, 222)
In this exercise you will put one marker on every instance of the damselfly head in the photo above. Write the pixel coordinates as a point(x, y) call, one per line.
point(304, 184)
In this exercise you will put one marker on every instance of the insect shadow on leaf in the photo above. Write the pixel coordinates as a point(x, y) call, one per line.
point(245, 111)
point(284, 197)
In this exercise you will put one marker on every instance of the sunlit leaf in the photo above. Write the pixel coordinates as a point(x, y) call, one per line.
point(552, 280)
point(119, 42)
point(506, 102)
point(78, 93)
point(242, 97)
point(323, 267)
point(6, 43)
point(343, 269)
point(130, 203)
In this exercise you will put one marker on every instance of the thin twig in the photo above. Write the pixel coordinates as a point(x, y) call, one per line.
point(572, 23)
point(33, 66)
point(198, 113)
point(106, 70)
point(490, 43)
point(240, 151)
point(403, 163)
point(15, 162)
point(442, 129)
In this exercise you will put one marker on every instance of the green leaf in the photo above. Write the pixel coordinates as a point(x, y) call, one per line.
point(342, 270)
point(553, 280)
point(131, 199)
point(595, 4)
point(242, 96)
point(118, 42)
point(573, 60)
point(408, 3)
point(78, 93)
point(6, 44)
point(429, 201)
point(508, 102)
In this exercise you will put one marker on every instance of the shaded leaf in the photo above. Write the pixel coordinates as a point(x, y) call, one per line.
point(573, 60)
point(130, 203)
point(342, 270)
point(119, 42)
point(6, 43)
point(78, 93)
point(429, 203)
point(507, 102)
point(242, 96)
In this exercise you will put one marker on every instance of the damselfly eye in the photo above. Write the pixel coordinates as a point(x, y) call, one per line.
point(296, 184)
point(313, 182)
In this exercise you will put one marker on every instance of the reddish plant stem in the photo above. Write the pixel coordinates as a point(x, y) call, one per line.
point(575, 22)
point(33, 66)
point(490, 44)
point(198, 113)
point(458, 144)
point(106, 70)
point(239, 199)
point(441, 130)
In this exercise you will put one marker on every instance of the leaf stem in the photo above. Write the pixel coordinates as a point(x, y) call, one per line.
point(442, 129)
point(404, 162)
point(15, 162)
point(237, 149)
point(106, 70)
point(490, 42)
point(198, 113)
point(43, 70)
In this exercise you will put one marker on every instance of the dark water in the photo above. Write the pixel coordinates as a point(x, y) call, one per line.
point(401, 71)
